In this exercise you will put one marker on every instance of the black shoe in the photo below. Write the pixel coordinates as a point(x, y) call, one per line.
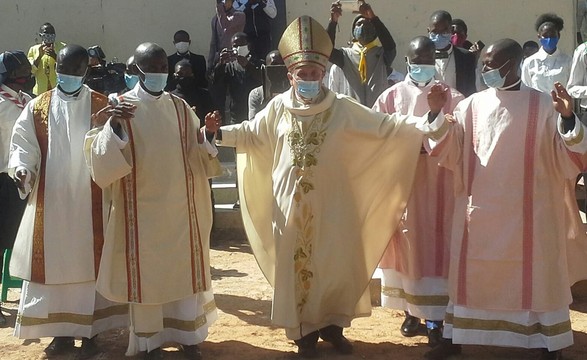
point(307, 346)
point(88, 349)
point(3, 320)
point(333, 335)
point(411, 326)
point(434, 337)
point(444, 350)
point(155, 354)
point(60, 345)
point(551, 355)
point(192, 352)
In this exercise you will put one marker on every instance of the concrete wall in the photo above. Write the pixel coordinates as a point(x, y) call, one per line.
point(119, 25)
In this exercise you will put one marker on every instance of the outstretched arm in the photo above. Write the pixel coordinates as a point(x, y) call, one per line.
point(336, 56)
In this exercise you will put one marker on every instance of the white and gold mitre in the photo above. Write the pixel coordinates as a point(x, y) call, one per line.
point(305, 42)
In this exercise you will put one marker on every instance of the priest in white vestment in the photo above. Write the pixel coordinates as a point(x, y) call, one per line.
point(323, 184)
point(415, 264)
point(58, 246)
point(156, 249)
point(516, 248)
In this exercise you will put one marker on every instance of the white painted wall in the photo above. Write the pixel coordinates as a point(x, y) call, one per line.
point(119, 25)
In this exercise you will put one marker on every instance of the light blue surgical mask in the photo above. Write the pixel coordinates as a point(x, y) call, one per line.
point(549, 44)
point(69, 83)
point(493, 78)
point(441, 41)
point(308, 89)
point(421, 73)
point(154, 82)
point(131, 80)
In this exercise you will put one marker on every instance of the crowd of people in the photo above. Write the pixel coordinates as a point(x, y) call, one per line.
point(456, 180)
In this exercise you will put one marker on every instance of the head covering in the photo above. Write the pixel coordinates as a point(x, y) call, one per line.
point(10, 61)
point(305, 42)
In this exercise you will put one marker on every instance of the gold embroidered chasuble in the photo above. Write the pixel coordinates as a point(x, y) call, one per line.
point(322, 189)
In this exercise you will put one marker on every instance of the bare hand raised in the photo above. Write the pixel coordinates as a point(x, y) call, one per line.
point(335, 11)
point(366, 10)
point(213, 121)
point(562, 101)
point(100, 118)
point(122, 112)
point(437, 98)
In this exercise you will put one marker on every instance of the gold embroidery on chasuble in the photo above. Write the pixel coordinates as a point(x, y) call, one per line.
point(305, 147)
point(128, 189)
point(99, 102)
point(41, 111)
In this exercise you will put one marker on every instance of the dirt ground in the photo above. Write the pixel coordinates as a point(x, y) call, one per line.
point(244, 332)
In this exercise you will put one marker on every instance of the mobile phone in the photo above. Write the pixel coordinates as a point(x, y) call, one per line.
point(480, 44)
point(349, 5)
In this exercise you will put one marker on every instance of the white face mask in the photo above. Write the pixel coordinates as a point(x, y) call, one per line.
point(242, 50)
point(182, 47)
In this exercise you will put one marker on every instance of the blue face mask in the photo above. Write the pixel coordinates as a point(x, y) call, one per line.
point(154, 82)
point(441, 41)
point(69, 83)
point(308, 89)
point(493, 78)
point(130, 80)
point(549, 44)
point(421, 73)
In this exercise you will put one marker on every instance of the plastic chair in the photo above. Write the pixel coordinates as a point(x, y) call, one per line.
point(7, 280)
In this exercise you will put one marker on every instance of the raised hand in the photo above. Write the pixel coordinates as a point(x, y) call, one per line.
point(437, 98)
point(562, 101)
point(213, 121)
point(100, 118)
point(366, 10)
point(335, 11)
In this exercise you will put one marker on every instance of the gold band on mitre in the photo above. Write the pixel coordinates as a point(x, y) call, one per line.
point(305, 42)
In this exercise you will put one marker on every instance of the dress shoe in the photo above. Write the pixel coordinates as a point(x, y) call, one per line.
point(307, 346)
point(192, 352)
point(551, 355)
point(434, 337)
point(333, 335)
point(155, 354)
point(411, 326)
point(443, 350)
point(60, 345)
point(88, 349)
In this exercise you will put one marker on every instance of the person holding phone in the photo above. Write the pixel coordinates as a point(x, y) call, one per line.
point(42, 58)
point(367, 62)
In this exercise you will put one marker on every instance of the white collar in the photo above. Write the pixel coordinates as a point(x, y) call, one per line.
point(140, 93)
point(66, 97)
point(419, 85)
point(449, 51)
point(542, 54)
point(295, 107)
point(10, 91)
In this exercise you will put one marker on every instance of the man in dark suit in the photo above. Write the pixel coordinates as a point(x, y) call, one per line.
point(182, 42)
point(455, 66)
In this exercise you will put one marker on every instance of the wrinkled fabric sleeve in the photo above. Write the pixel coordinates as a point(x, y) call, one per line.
point(577, 87)
point(24, 146)
point(104, 157)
